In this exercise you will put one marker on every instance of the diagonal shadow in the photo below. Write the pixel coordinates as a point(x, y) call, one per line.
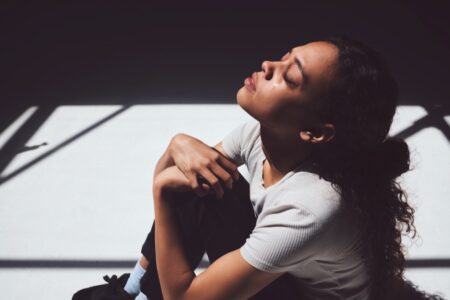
point(55, 149)
point(11, 114)
point(434, 118)
point(23, 134)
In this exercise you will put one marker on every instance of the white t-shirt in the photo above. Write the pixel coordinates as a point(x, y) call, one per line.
point(301, 228)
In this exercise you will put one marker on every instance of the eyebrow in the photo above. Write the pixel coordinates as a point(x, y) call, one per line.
point(300, 67)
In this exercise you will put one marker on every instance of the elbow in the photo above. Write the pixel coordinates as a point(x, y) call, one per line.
point(180, 290)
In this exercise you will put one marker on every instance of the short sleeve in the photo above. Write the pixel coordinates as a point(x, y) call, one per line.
point(238, 142)
point(284, 236)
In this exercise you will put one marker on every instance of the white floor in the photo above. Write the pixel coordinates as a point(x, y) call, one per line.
point(91, 199)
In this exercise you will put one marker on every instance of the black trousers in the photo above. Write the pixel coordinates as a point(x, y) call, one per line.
point(215, 226)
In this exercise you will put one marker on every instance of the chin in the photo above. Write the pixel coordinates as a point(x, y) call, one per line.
point(242, 98)
point(245, 101)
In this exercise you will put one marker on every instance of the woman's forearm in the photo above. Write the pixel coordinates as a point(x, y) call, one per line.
point(174, 271)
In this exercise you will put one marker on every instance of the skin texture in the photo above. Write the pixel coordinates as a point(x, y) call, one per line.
point(288, 131)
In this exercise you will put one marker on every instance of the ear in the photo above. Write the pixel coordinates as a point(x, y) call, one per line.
point(318, 134)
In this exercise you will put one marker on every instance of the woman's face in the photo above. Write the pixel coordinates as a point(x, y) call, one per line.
point(284, 89)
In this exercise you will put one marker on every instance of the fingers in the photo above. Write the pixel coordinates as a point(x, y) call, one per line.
point(229, 166)
point(223, 175)
point(211, 173)
point(213, 182)
point(200, 188)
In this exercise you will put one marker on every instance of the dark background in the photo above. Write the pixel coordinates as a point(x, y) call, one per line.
point(109, 52)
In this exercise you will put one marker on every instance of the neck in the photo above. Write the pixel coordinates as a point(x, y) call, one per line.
point(284, 151)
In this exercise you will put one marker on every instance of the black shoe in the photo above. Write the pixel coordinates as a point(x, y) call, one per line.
point(113, 290)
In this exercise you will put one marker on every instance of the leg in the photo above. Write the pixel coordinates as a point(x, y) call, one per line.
point(216, 226)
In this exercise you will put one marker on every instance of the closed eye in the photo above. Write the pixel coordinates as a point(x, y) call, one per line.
point(300, 68)
point(290, 82)
point(287, 79)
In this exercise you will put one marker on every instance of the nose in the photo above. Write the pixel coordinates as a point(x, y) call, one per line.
point(267, 68)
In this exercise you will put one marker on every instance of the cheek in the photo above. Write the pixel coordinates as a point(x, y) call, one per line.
point(272, 105)
point(273, 96)
point(283, 109)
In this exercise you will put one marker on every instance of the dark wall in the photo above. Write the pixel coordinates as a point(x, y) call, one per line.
point(123, 51)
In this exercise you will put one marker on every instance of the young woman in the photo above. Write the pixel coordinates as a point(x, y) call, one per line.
point(322, 215)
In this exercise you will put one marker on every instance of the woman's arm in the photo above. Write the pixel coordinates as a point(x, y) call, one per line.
point(164, 161)
point(193, 158)
point(229, 277)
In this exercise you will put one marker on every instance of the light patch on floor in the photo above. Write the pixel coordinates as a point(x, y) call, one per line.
point(91, 199)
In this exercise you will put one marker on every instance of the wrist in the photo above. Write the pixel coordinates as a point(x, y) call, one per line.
point(158, 186)
point(174, 146)
point(158, 191)
point(172, 179)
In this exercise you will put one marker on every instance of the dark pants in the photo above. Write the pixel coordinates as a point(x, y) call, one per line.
point(215, 226)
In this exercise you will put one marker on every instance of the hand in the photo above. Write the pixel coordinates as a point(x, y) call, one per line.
point(171, 179)
point(196, 159)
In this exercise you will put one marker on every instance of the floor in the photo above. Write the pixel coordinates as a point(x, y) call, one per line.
point(76, 202)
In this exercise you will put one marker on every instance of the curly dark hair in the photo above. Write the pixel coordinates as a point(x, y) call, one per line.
point(363, 163)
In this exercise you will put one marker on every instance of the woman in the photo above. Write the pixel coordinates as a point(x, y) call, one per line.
point(327, 213)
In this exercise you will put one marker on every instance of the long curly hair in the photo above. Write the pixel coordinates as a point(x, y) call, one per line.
point(363, 163)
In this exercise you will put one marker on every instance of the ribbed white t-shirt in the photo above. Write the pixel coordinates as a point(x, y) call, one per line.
point(302, 227)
